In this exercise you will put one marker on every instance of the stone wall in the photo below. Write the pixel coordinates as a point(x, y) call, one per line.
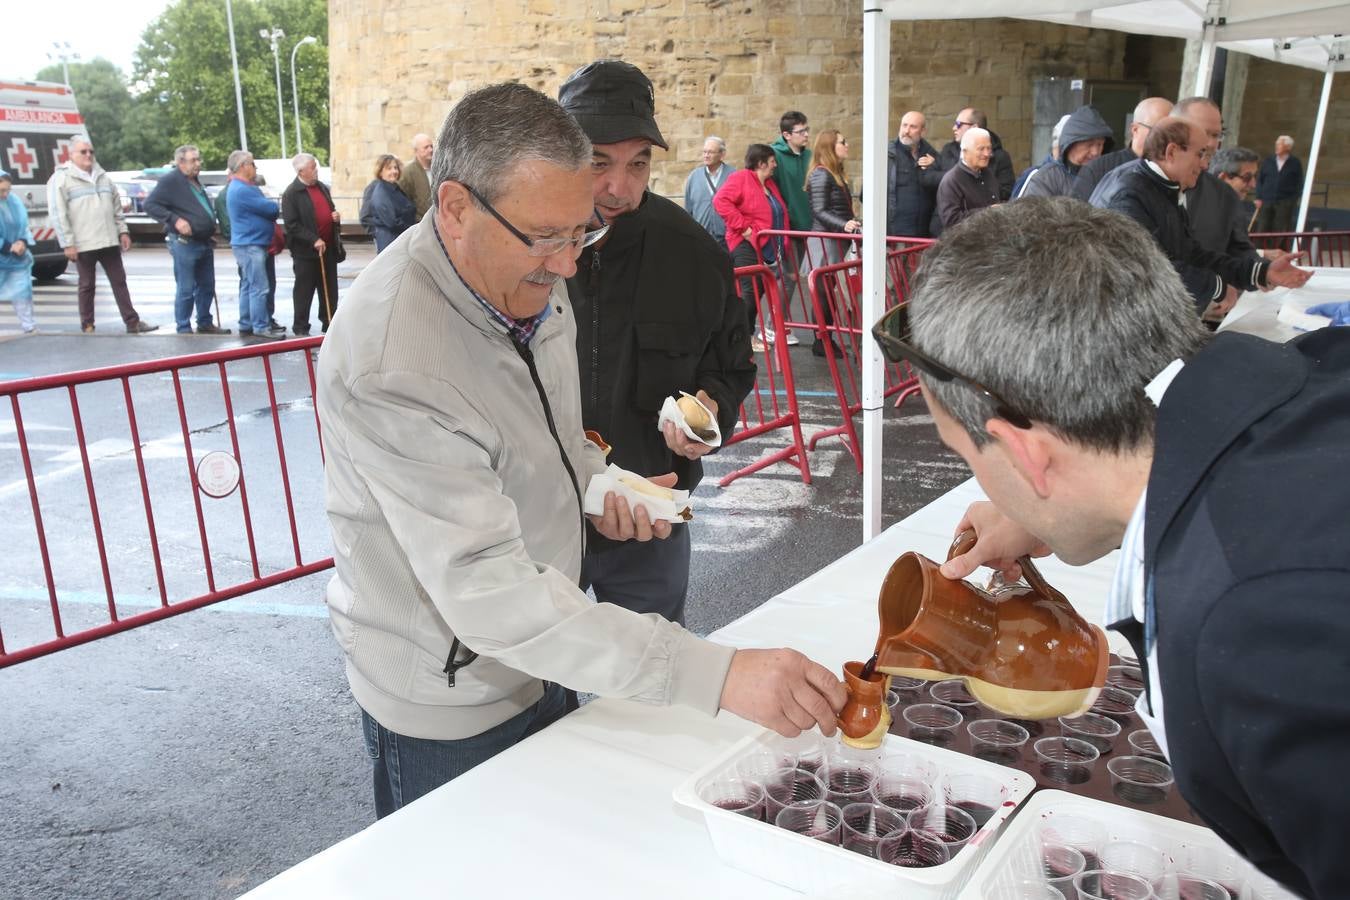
point(725, 67)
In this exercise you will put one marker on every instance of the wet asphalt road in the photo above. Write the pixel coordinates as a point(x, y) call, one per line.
point(200, 755)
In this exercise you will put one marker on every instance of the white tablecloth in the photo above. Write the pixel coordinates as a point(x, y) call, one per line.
point(1256, 311)
point(583, 809)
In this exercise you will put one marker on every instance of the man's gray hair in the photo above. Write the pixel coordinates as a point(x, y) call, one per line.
point(80, 139)
point(492, 130)
point(180, 153)
point(1230, 160)
point(1286, 139)
point(972, 135)
point(1064, 311)
point(300, 160)
point(722, 145)
point(237, 160)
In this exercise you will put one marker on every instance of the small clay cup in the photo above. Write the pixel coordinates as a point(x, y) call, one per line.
point(865, 713)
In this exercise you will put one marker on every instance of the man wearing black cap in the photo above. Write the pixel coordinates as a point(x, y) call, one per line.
point(657, 313)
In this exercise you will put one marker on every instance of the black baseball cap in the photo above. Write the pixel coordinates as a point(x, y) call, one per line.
point(612, 101)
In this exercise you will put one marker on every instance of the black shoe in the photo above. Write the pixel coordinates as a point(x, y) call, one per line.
point(212, 329)
point(141, 328)
point(273, 323)
point(818, 348)
point(301, 332)
point(276, 330)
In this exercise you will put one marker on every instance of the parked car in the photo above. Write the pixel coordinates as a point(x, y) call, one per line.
point(213, 181)
point(134, 189)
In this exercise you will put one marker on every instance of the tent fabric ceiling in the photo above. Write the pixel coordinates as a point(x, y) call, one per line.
point(1257, 27)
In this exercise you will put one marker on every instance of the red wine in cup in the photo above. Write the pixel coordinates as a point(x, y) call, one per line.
point(978, 811)
point(755, 812)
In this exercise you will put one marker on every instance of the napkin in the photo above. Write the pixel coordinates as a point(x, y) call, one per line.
point(670, 412)
point(1294, 315)
point(672, 505)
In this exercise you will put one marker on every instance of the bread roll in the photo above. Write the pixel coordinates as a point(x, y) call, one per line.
point(643, 486)
point(694, 414)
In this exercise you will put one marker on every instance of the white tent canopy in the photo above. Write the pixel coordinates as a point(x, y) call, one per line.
point(1314, 34)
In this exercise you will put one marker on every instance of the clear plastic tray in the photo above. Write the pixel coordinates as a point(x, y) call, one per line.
point(826, 871)
point(1017, 855)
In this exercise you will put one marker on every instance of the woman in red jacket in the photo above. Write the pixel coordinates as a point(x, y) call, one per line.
point(750, 203)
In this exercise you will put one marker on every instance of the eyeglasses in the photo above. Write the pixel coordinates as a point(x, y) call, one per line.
point(1248, 178)
point(541, 246)
point(85, 152)
point(892, 333)
point(960, 124)
point(800, 131)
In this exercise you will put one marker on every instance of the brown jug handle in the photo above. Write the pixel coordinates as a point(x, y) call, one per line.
point(1030, 574)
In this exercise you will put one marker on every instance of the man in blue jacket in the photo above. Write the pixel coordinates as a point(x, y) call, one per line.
point(1097, 414)
point(1279, 186)
point(253, 220)
point(181, 205)
point(912, 178)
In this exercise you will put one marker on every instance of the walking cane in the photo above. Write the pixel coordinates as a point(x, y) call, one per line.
point(1256, 212)
point(323, 275)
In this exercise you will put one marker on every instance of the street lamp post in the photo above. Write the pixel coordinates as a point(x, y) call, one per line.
point(295, 94)
point(238, 92)
point(61, 51)
point(275, 35)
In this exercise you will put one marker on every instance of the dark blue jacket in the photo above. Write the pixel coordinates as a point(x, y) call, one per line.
point(386, 212)
point(253, 218)
point(1245, 544)
point(1274, 183)
point(911, 192)
point(174, 198)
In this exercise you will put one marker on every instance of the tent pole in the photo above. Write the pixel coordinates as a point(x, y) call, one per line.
point(1316, 144)
point(1204, 69)
point(876, 121)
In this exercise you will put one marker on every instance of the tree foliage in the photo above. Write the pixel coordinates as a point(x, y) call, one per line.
point(128, 132)
point(184, 63)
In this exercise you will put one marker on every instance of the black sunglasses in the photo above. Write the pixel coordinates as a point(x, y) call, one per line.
point(892, 333)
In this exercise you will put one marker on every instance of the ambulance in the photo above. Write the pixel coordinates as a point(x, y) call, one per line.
point(37, 120)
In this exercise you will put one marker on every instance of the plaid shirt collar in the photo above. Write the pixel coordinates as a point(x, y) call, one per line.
point(522, 331)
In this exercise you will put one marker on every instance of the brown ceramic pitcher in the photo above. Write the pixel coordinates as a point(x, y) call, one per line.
point(1021, 648)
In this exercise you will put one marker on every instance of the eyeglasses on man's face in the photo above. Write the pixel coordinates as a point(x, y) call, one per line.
point(892, 333)
point(541, 246)
point(960, 124)
point(800, 131)
point(87, 151)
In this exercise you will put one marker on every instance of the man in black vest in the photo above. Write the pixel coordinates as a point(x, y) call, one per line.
point(1097, 414)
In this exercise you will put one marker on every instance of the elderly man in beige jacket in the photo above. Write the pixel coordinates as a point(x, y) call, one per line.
point(87, 214)
point(456, 465)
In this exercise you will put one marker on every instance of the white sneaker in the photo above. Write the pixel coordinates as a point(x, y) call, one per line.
point(768, 335)
point(791, 340)
point(756, 344)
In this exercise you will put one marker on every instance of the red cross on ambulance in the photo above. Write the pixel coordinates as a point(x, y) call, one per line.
point(21, 159)
point(62, 152)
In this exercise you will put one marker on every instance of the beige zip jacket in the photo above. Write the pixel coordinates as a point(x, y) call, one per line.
point(85, 208)
point(453, 515)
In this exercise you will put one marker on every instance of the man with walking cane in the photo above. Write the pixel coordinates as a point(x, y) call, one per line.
point(313, 236)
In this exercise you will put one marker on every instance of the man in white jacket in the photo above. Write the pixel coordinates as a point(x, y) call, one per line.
point(87, 213)
point(456, 464)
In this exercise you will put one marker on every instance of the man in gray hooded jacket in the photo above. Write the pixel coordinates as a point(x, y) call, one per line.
point(1084, 137)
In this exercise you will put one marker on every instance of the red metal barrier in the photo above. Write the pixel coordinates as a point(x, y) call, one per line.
point(835, 294)
point(1321, 248)
point(769, 408)
point(100, 385)
point(806, 251)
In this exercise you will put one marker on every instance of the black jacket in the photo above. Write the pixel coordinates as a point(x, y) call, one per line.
point(302, 230)
point(964, 192)
point(1092, 173)
point(657, 313)
point(1245, 543)
point(910, 191)
point(1151, 200)
point(831, 205)
point(1217, 218)
point(176, 197)
point(1274, 183)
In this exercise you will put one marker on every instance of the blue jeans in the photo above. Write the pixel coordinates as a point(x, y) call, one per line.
point(252, 261)
point(407, 768)
point(194, 271)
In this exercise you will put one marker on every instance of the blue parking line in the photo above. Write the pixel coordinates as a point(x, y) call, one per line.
point(130, 602)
